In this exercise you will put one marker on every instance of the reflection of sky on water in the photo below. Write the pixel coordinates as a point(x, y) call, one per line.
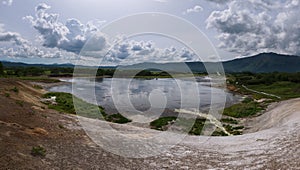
point(136, 92)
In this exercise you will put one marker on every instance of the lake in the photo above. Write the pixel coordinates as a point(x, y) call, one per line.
point(151, 96)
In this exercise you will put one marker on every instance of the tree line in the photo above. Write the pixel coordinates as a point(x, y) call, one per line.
point(249, 78)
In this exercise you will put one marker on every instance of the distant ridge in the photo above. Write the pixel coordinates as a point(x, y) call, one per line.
point(261, 63)
point(264, 62)
point(19, 64)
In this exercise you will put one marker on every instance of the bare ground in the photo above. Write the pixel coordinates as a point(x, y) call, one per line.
point(273, 141)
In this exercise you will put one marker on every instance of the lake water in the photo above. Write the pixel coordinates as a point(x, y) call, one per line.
point(153, 96)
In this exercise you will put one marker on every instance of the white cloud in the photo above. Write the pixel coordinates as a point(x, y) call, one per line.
point(73, 35)
point(15, 46)
point(255, 26)
point(130, 52)
point(70, 36)
point(14, 37)
point(195, 9)
point(7, 2)
point(11, 37)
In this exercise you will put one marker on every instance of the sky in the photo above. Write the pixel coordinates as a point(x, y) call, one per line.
point(53, 31)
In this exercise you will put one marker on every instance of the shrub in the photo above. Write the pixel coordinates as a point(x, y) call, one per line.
point(229, 120)
point(158, 124)
point(38, 151)
point(6, 94)
point(20, 103)
point(117, 118)
point(61, 126)
point(15, 89)
point(37, 86)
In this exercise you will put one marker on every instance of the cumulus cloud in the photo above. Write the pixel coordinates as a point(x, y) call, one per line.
point(12, 37)
point(70, 36)
point(7, 2)
point(195, 9)
point(255, 26)
point(130, 52)
point(15, 46)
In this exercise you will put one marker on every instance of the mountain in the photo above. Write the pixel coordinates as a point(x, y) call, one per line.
point(264, 62)
point(19, 64)
point(261, 63)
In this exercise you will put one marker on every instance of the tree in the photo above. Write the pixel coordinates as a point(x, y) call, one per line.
point(1, 69)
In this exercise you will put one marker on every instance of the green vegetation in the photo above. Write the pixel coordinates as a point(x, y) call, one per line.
point(116, 118)
point(38, 151)
point(284, 85)
point(234, 130)
point(15, 89)
point(284, 89)
point(61, 126)
point(6, 94)
point(264, 86)
point(237, 130)
point(160, 123)
point(37, 86)
point(1, 69)
point(34, 71)
point(196, 125)
point(20, 103)
point(41, 73)
point(218, 132)
point(64, 102)
point(163, 123)
point(241, 110)
point(230, 121)
point(40, 79)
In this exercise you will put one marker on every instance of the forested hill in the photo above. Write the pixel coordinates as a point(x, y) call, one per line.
point(264, 62)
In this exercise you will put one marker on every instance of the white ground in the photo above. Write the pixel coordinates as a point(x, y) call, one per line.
point(272, 142)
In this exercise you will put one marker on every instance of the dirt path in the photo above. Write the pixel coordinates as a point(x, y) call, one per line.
point(274, 143)
point(263, 93)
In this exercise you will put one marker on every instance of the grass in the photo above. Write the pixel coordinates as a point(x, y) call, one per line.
point(160, 123)
point(38, 151)
point(218, 132)
point(243, 109)
point(197, 126)
point(248, 107)
point(117, 118)
point(40, 79)
point(229, 120)
point(284, 89)
point(65, 103)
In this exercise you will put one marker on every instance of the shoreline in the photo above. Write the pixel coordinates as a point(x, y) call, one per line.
point(47, 86)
